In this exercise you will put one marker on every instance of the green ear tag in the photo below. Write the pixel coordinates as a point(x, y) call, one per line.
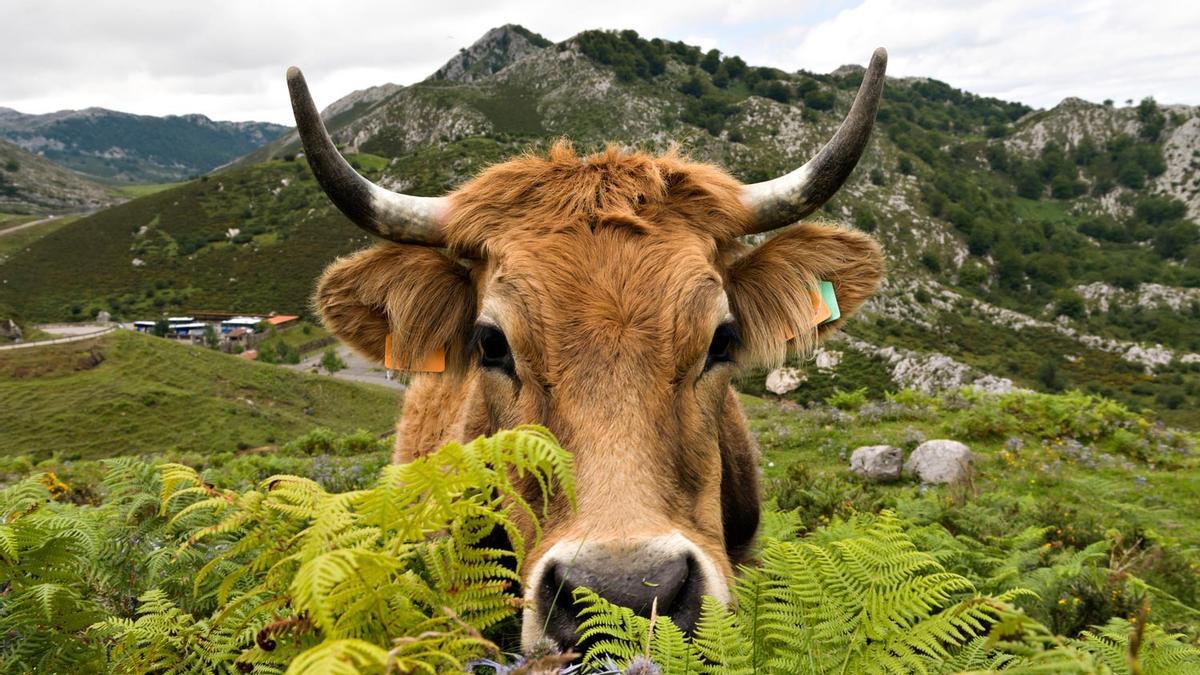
point(830, 299)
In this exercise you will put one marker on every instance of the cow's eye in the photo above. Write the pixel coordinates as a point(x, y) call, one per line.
point(493, 349)
point(720, 350)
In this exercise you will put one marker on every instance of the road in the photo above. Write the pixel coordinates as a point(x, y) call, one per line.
point(29, 224)
point(69, 332)
point(358, 369)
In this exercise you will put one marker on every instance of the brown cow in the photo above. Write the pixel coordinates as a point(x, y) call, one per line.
point(608, 298)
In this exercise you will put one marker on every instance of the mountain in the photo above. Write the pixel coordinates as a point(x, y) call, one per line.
point(497, 49)
point(33, 184)
point(121, 147)
point(1039, 249)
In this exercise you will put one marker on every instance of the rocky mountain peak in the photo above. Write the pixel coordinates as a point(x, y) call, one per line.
point(497, 49)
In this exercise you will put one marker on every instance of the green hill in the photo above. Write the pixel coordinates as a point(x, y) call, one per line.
point(1049, 249)
point(127, 394)
point(121, 147)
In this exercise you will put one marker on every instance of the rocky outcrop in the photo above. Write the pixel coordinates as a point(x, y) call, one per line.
point(496, 50)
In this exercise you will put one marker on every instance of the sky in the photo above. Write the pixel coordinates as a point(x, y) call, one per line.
point(227, 58)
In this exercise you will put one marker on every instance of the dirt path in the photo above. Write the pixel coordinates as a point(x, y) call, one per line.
point(70, 333)
point(31, 223)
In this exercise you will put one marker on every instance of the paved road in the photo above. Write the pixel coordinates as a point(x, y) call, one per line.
point(69, 333)
point(357, 368)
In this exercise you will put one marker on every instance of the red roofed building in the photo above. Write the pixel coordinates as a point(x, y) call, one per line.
point(283, 321)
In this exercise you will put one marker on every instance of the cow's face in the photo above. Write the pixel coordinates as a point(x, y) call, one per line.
point(617, 322)
point(609, 299)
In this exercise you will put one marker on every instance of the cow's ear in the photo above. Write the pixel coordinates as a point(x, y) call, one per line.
point(416, 294)
point(771, 287)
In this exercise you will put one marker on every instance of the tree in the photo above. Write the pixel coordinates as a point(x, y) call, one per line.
point(210, 337)
point(1049, 376)
point(820, 99)
point(1029, 182)
point(1151, 118)
point(735, 67)
point(711, 61)
point(331, 362)
point(161, 328)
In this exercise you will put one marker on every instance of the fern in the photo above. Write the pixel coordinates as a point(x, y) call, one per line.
point(859, 597)
point(172, 574)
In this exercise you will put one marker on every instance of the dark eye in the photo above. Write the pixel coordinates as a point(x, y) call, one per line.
point(720, 350)
point(493, 349)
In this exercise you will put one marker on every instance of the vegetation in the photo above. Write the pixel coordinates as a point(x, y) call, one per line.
point(331, 362)
point(130, 393)
point(154, 149)
point(246, 564)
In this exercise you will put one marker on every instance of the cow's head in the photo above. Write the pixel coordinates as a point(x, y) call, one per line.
point(609, 299)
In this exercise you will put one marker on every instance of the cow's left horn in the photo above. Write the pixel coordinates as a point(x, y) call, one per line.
point(785, 200)
point(390, 215)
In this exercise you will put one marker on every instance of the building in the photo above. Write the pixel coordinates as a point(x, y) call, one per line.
point(283, 321)
point(248, 322)
point(144, 326)
point(190, 329)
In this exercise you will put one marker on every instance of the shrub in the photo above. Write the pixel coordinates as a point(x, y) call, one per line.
point(331, 362)
point(848, 400)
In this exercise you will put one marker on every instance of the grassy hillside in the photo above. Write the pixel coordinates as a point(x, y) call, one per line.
point(131, 394)
point(214, 243)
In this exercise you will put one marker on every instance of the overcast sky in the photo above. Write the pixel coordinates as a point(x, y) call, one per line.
point(226, 58)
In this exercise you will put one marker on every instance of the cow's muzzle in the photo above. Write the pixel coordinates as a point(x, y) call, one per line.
point(667, 572)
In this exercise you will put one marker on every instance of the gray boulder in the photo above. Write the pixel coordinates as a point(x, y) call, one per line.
point(879, 463)
point(940, 461)
point(782, 380)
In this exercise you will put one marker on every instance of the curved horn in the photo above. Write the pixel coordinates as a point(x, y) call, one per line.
point(390, 215)
point(787, 199)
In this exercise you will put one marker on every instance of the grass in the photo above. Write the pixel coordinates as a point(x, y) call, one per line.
point(12, 244)
point(186, 257)
point(130, 394)
point(8, 220)
point(142, 189)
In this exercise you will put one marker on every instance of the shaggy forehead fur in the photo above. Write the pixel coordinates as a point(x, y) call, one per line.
point(532, 196)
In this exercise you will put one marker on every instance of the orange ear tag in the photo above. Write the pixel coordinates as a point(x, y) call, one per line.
point(821, 312)
point(432, 362)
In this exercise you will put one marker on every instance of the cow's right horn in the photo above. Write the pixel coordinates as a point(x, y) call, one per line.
point(391, 215)
point(782, 201)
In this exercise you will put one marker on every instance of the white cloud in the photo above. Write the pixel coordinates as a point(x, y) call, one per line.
point(226, 58)
point(1029, 50)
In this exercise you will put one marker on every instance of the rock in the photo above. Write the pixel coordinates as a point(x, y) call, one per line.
point(9, 329)
point(103, 317)
point(939, 461)
point(827, 359)
point(782, 380)
point(879, 463)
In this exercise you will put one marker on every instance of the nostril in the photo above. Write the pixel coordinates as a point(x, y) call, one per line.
point(675, 582)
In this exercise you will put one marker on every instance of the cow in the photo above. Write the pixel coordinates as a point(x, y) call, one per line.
point(610, 298)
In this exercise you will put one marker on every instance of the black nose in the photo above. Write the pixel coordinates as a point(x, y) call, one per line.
point(674, 582)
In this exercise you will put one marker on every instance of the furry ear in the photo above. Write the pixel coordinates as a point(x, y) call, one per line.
point(420, 297)
point(770, 286)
